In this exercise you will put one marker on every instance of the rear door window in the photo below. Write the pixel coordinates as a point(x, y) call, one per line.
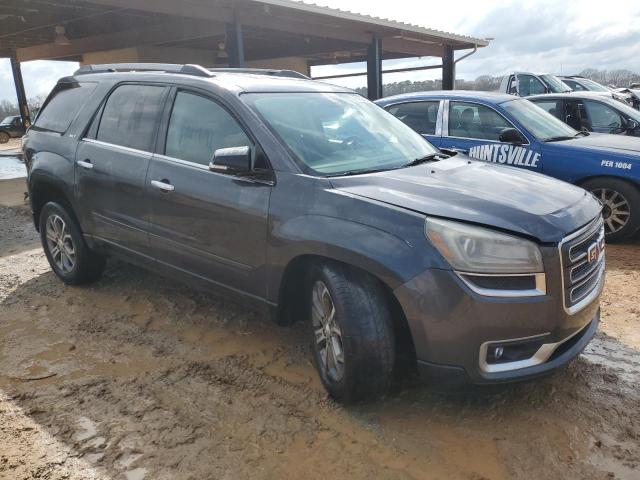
point(198, 127)
point(130, 116)
point(63, 105)
point(421, 116)
point(470, 120)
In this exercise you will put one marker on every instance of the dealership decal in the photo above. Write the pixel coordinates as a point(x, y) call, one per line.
point(612, 164)
point(506, 154)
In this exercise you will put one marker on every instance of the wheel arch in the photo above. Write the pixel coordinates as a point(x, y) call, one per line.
point(44, 189)
point(292, 302)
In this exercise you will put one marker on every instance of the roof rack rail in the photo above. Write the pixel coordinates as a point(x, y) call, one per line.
point(262, 71)
point(187, 69)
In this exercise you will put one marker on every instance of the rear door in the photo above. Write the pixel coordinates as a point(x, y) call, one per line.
point(112, 162)
point(474, 129)
point(210, 225)
point(424, 116)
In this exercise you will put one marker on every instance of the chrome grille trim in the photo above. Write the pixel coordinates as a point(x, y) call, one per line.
point(581, 283)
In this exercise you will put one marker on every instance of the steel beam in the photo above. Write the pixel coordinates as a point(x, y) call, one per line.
point(23, 106)
point(448, 69)
point(374, 69)
point(234, 45)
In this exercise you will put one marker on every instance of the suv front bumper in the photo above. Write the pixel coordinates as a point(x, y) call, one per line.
point(453, 327)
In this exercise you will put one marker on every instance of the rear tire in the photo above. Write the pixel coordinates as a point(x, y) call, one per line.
point(67, 252)
point(351, 332)
point(621, 202)
point(4, 137)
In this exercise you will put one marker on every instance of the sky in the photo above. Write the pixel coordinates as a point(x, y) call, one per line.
point(562, 37)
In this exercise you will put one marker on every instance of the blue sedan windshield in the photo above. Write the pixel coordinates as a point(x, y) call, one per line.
point(538, 122)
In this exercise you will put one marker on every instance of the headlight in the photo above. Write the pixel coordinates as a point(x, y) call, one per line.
point(481, 250)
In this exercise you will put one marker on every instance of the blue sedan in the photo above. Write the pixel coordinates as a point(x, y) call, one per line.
point(504, 129)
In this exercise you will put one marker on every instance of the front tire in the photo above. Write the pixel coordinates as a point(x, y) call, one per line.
point(621, 202)
point(351, 332)
point(68, 254)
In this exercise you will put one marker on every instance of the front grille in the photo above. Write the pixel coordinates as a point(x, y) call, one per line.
point(582, 256)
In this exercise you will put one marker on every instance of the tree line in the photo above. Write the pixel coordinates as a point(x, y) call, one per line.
point(8, 108)
point(617, 78)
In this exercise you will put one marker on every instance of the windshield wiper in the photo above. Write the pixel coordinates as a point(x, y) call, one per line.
point(432, 157)
point(582, 132)
point(559, 138)
point(359, 172)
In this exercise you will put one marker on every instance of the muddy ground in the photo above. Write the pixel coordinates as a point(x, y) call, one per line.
point(139, 377)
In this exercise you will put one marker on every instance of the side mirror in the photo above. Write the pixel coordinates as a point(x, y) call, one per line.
point(632, 124)
point(232, 160)
point(511, 135)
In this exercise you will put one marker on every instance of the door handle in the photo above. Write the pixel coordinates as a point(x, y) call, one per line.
point(85, 164)
point(163, 185)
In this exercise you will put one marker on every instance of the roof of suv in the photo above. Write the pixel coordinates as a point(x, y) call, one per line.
point(241, 80)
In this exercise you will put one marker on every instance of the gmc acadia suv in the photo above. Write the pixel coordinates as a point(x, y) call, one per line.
point(312, 202)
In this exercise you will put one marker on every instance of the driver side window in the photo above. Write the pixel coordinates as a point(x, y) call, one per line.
point(470, 120)
point(530, 85)
point(603, 117)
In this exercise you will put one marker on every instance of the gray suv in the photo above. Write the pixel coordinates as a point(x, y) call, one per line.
point(309, 201)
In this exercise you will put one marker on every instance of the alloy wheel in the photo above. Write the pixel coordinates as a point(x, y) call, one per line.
point(327, 333)
point(616, 211)
point(60, 244)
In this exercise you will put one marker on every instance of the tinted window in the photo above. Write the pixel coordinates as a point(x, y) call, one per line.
point(198, 127)
point(551, 106)
point(469, 120)
point(130, 116)
point(602, 116)
point(529, 85)
point(63, 105)
point(421, 116)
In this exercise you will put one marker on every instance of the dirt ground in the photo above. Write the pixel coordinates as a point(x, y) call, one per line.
point(139, 377)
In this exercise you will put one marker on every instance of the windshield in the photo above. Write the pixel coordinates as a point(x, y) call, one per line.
point(7, 120)
point(623, 108)
point(538, 122)
point(593, 86)
point(555, 84)
point(337, 133)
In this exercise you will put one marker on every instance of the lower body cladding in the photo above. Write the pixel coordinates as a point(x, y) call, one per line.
point(461, 334)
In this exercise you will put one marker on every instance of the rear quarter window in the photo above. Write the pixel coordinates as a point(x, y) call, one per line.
point(63, 105)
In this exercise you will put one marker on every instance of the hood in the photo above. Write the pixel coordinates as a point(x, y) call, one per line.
point(603, 141)
point(507, 198)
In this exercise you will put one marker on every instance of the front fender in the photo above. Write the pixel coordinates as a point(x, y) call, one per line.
point(390, 258)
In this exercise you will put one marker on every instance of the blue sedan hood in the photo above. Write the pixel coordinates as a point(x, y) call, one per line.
point(602, 141)
point(503, 197)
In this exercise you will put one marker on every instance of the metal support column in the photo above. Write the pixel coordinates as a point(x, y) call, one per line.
point(374, 69)
point(448, 69)
point(234, 45)
point(20, 94)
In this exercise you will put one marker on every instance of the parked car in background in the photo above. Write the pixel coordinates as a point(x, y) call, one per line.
point(581, 84)
point(308, 201)
point(591, 112)
point(524, 84)
point(501, 129)
point(11, 127)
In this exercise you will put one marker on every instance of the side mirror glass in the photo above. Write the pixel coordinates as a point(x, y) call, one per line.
point(511, 135)
point(232, 160)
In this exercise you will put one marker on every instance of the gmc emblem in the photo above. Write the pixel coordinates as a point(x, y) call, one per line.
point(595, 250)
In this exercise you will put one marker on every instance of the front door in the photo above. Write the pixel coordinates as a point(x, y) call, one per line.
point(474, 129)
point(207, 224)
point(111, 165)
